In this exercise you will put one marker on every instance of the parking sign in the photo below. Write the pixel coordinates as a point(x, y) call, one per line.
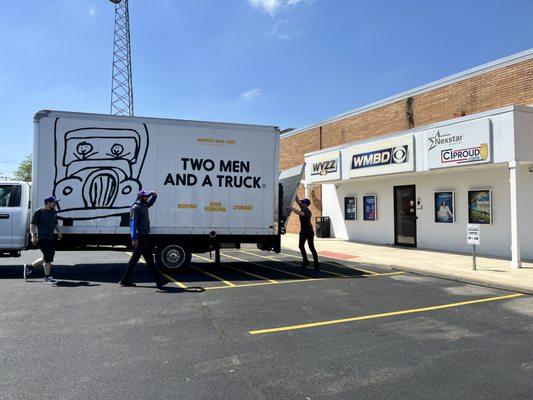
point(472, 234)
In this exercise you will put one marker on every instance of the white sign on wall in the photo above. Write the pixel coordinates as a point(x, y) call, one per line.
point(384, 157)
point(462, 144)
point(323, 167)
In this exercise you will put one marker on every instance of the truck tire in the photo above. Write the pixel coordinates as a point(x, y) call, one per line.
point(171, 257)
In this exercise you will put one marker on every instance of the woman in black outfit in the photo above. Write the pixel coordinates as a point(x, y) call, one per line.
point(306, 232)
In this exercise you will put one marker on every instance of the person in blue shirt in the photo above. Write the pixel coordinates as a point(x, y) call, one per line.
point(139, 232)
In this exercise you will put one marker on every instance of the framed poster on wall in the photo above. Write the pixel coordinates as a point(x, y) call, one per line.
point(444, 207)
point(370, 208)
point(480, 206)
point(350, 208)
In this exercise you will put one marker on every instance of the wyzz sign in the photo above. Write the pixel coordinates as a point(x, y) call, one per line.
point(324, 167)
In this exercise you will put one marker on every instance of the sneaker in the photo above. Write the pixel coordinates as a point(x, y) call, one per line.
point(49, 280)
point(317, 267)
point(27, 269)
point(304, 264)
point(127, 284)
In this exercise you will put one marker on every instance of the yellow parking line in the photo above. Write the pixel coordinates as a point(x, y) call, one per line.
point(383, 315)
point(366, 271)
point(328, 263)
point(267, 267)
point(225, 282)
point(265, 283)
point(292, 265)
point(239, 270)
point(384, 274)
point(302, 280)
point(178, 283)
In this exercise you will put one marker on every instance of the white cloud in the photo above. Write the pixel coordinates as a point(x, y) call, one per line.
point(281, 30)
point(288, 35)
point(92, 11)
point(271, 6)
point(250, 94)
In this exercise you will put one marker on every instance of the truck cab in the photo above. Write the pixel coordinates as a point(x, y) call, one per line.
point(14, 216)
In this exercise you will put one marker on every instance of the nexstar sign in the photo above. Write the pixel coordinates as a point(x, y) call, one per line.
point(392, 155)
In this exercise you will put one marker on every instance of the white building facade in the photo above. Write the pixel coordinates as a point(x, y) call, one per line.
point(422, 187)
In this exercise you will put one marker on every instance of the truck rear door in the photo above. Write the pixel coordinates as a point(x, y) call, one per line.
point(10, 210)
point(289, 180)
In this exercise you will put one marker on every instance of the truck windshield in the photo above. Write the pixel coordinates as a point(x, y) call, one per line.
point(10, 195)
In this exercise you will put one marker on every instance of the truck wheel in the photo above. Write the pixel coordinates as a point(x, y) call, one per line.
point(172, 256)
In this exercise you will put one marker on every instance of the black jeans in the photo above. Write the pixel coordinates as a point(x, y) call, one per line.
point(309, 237)
point(144, 248)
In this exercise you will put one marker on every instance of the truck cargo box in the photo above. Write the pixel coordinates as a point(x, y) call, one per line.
point(209, 176)
point(212, 179)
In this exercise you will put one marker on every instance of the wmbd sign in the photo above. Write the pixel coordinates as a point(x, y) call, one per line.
point(388, 156)
point(391, 155)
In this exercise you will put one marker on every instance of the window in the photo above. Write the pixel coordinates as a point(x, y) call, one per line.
point(10, 195)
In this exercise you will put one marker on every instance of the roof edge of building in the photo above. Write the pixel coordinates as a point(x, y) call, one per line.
point(469, 73)
point(436, 125)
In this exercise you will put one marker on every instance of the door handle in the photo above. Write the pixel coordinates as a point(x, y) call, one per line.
point(4, 216)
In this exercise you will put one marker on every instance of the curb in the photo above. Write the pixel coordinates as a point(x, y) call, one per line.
point(462, 279)
point(448, 277)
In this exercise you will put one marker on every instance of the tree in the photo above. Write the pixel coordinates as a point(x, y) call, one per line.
point(23, 172)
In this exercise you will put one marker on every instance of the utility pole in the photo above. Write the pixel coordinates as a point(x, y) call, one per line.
point(121, 83)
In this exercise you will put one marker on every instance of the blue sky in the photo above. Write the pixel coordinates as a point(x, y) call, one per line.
point(280, 62)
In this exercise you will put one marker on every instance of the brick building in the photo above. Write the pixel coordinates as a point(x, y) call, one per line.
point(507, 81)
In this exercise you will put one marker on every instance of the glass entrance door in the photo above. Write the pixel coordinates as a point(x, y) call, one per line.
point(405, 215)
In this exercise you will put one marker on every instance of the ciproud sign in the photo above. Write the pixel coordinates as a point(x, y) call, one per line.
point(460, 144)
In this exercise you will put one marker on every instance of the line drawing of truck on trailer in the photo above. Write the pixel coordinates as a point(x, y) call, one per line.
point(99, 169)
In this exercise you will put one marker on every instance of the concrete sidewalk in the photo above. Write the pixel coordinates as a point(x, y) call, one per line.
point(491, 272)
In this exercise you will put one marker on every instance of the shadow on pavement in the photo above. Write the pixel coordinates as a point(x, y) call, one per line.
point(80, 275)
point(75, 284)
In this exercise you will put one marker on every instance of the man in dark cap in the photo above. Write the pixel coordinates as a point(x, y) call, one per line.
point(42, 227)
point(306, 232)
point(139, 231)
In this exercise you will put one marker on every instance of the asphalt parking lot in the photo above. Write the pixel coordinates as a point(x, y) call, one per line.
point(259, 328)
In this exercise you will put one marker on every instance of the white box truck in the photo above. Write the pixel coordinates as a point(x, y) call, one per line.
point(217, 184)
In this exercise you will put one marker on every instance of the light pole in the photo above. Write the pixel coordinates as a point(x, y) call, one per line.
point(121, 81)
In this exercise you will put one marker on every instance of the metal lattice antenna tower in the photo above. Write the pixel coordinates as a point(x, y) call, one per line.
point(121, 84)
